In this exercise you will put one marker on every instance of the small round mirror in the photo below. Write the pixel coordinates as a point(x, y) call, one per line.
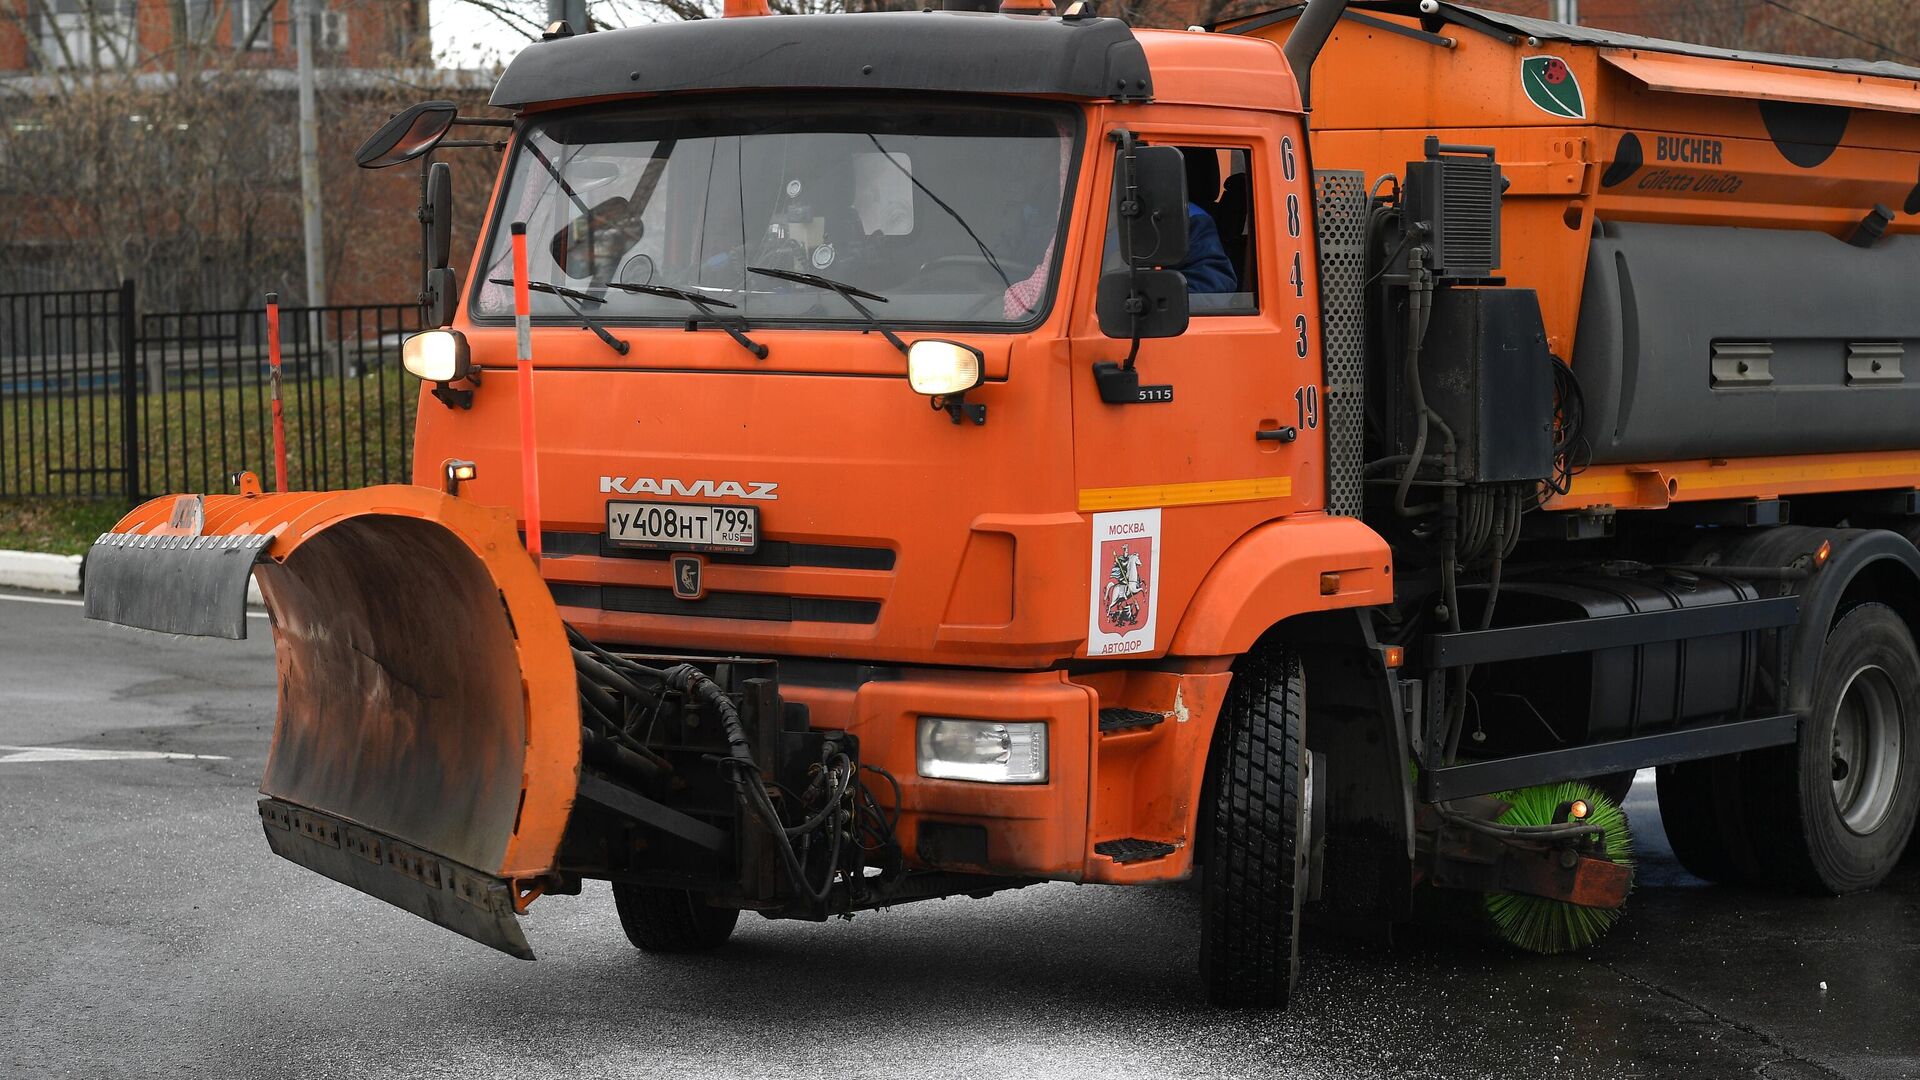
point(637, 270)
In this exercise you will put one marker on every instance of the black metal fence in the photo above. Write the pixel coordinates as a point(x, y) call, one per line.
point(97, 400)
point(64, 422)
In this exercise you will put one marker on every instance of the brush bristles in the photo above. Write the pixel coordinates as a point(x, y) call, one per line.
point(1536, 923)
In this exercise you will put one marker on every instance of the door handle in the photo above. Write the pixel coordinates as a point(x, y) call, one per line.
point(1280, 434)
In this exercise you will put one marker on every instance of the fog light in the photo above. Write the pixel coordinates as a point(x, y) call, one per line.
point(438, 356)
point(944, 368)
point(990, 751)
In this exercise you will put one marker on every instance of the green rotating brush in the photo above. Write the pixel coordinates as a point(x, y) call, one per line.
point(1536, 923)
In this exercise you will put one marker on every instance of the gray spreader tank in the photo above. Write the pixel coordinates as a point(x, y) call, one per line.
point(1709, 341)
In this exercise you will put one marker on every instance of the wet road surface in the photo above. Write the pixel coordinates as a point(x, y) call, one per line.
point(146, 931)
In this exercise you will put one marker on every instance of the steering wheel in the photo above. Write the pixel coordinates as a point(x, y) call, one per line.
point(956, 273)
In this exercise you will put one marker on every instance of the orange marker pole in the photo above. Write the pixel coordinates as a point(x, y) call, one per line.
point(523, 331)
point(279, 416)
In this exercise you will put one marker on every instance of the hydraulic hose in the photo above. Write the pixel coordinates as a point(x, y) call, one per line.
point(599, 669)
point(694, 683)
point(1419, 313)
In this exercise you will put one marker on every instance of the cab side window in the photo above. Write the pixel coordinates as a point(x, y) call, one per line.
point(1220, 268)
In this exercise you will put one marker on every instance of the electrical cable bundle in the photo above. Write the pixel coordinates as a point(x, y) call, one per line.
point(1570, 447)
point(1490, 521)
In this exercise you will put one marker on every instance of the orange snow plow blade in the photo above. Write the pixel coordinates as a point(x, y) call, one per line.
point(427, 746)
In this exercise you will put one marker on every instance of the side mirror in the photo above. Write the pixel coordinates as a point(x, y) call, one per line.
point(1153, 214)
point(439, 215)
point(407, 136)
point(441, 297)
point(1142, 303)
point(1143, 298)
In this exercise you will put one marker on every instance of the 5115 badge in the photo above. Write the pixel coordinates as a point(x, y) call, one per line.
point(1119, 384)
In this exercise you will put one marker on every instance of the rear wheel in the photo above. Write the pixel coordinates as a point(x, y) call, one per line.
point(1702, 814)
point(1255, 877)
point(1850, 789)
point(671, 920)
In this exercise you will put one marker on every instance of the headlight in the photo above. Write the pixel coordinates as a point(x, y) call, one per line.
point(990, 751)
point(943, 368)
point(437, 355)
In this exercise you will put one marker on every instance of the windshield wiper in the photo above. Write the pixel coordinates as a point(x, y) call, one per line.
point(554, 171)
point(569, 297)
point(846, 292)
point(985, 252)
point(705, 305)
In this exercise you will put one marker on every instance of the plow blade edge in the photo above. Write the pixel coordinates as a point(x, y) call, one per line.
point(194, 585)
point(427, 745)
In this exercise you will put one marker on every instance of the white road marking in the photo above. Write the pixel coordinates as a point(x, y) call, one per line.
point(12, 755)
point(64, 602)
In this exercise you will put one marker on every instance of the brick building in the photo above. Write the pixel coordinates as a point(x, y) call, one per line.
point(52, 35)
point(195, 101)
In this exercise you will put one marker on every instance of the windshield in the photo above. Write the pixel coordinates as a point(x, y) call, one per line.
point(952, 212)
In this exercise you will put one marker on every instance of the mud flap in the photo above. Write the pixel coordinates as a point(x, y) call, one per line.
point(427, 701)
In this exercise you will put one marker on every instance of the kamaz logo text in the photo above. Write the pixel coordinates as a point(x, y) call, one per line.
point(709, 489)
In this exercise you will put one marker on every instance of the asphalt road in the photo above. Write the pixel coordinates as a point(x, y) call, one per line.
point(146, 931)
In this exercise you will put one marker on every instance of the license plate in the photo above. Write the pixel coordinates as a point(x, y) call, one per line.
point(683, 526)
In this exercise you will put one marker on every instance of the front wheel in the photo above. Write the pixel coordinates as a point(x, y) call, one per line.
point(1255, 874)
point(671, 920)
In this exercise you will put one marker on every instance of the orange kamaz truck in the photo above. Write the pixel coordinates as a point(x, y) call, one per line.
point(876, 457)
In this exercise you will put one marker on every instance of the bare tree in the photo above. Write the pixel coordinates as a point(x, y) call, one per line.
point(170, 158)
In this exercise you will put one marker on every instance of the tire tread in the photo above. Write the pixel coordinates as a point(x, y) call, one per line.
point(1251, 910)
point(659, 920)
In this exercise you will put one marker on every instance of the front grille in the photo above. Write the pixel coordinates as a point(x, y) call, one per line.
point(771, 553)
point(761, 607)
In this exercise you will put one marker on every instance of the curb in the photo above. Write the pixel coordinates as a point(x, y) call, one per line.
point(42, 572)
point(39, 570)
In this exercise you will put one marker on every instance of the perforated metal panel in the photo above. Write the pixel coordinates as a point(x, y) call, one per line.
point(1340, 218)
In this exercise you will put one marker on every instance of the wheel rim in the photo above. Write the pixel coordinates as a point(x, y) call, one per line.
point(1867, 745)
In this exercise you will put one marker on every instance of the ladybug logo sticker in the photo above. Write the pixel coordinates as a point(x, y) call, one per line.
point(1551, 85)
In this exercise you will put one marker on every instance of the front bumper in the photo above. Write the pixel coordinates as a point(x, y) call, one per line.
point(1127, 783)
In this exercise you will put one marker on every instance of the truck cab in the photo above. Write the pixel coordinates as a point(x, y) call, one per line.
point(1006, 555)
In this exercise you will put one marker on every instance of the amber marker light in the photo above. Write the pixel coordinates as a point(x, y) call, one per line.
point(1329, 584)
point(1395, 655)
point(458, 472)
point(1822, 554)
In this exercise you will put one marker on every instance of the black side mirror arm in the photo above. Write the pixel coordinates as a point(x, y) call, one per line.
point(1119, 383)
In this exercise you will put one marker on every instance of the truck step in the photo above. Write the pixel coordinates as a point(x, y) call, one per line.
point(1128, 719)
point(1132, 850)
